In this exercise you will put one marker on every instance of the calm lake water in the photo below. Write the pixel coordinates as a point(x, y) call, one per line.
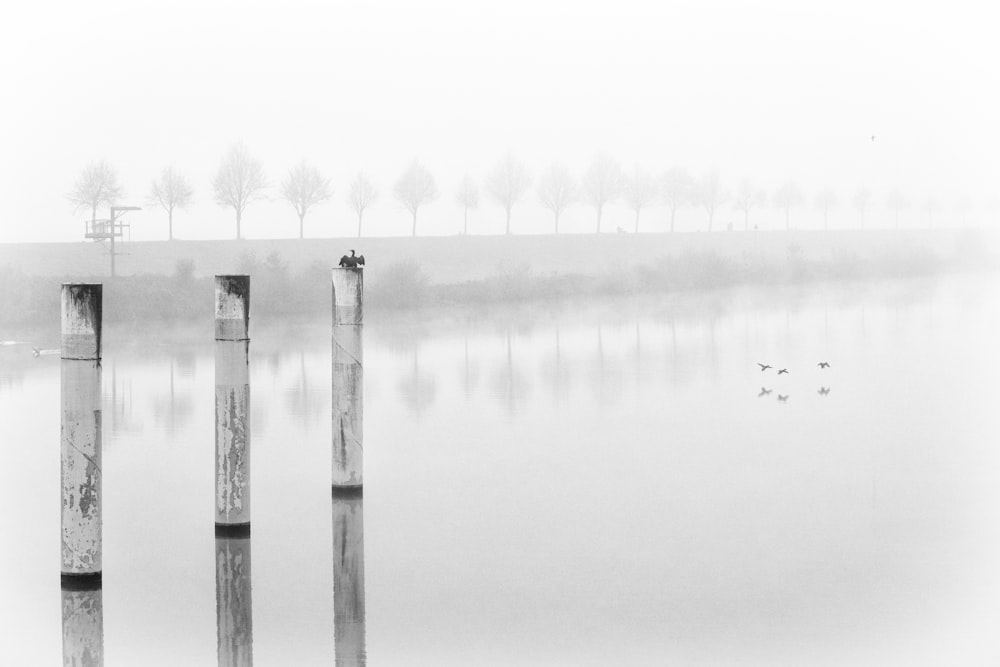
point(593, 483)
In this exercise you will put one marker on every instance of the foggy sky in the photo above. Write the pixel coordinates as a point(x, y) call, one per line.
point(769, 91)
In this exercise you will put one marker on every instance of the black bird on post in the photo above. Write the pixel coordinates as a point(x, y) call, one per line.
point(353, 261)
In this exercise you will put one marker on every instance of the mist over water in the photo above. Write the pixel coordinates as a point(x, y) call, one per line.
point(578, 484)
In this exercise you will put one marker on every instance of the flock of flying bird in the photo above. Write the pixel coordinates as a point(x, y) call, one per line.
point(783, 398)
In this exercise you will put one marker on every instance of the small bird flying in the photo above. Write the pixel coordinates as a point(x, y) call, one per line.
point(763, 367)
point(764, 392)
point(823, 364)
point(783, 370)
point(823, 391)
point(783, 398)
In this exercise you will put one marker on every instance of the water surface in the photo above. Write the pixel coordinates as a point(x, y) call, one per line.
point(597, 482)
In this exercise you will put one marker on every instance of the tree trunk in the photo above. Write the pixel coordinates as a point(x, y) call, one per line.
point(360, 213)
point(508, 221)
point(746, 220)
point(465, 222)
point(673, 212)
point(598, 220)
point(414, 222)
point(557, 222)
point(636, 221)
point(239, 217)
point(170, 224)
point(302, 220)
point(711, 215)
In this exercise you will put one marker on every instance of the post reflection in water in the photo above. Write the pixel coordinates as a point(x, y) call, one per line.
point(233, 605)
point(348, 577)
point(83, 626)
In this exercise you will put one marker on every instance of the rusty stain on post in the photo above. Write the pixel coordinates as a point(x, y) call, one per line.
point(81, 320)
point(232, 400)
point(233, 602)
point(80, 426)
point(83, 627)
point(232, 307)
point(348, 377)
point(349, 581)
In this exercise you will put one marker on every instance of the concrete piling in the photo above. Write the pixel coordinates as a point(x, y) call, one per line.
point(233, 602)
point(348, 378)
point(349, 581)
point(80, 450)
point(232, 405)
point(83, 627)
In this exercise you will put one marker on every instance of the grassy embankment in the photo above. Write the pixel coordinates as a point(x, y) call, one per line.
point(167, 280)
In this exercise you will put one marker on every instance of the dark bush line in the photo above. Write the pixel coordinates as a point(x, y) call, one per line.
point(274, 290)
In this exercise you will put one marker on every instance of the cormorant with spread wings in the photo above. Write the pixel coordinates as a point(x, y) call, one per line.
point(353, 261)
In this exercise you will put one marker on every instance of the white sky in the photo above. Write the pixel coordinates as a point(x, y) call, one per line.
point(767, 90)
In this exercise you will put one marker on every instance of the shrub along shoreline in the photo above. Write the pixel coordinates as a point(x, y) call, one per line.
point(278, 290)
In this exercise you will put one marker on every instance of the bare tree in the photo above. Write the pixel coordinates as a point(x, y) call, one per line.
point(556, 190)
point(930, 206)
point(467, 197)
point(897, 201)
point(171, 191)
point(360, 196)
point(507, 183)
point(991, 205)
point(677, 188)
point(826, 200)
point(787, 197)
point(602, 183)
point(963, 205)
point(639, 191)
point(303, 188)
point(710, 195)
point(415, 188)
point(861, 200)
point(746, 198)
point(97, 184)
point(239, 181)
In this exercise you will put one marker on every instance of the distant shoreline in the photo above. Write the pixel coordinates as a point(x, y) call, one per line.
point(293, 278)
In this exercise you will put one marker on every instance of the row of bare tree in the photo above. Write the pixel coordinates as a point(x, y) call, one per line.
point(240, 180)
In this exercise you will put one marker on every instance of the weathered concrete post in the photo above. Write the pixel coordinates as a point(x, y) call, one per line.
point(83, 627)
point(349, 581)
point(348, 379)
point(80, 368)
point(233, 601)
point(232, 405)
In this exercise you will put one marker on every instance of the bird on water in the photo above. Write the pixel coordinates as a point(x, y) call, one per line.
point(353, 261)
point(763, 367)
